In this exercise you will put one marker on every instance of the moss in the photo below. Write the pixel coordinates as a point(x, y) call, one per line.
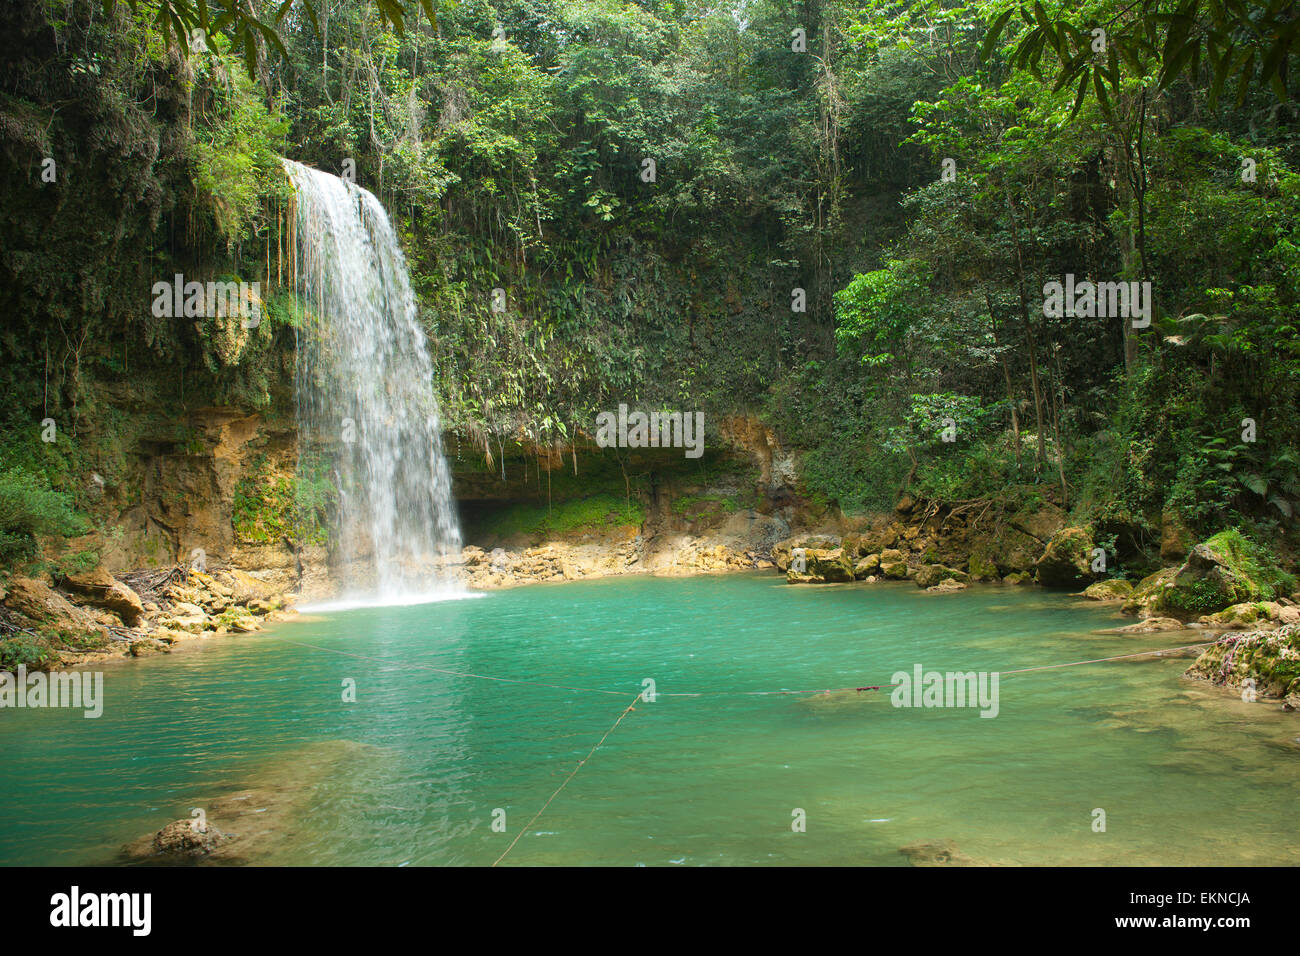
point(1270, 658)
point(599, 512)
point(270, 506)
point(1251, 562)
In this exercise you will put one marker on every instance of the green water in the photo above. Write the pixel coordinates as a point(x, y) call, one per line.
point(412, 771)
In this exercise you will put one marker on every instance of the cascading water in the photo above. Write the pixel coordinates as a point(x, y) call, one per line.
point(364, 386)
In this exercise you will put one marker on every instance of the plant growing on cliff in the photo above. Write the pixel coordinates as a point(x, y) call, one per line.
point(28, 509)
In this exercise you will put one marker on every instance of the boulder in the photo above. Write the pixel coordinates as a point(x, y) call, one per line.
point(181, 840)
point(983, 568)
point(1146, 593)
point(1067, 560)
point(238, 620)
point(1259, 615)
point(893, 564)
point(1216, 575)
point(242, 587)
point(782, 549)
point(873, 542)
point(822, 566)
point(1271, 659)
point(185, 616)
point(1113, 589)
point(1018, 578)
point(101, 589)
point(865, 567)
point(928, 575)
point(37, 601)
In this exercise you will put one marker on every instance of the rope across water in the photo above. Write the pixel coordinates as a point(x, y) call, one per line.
point(639, 696)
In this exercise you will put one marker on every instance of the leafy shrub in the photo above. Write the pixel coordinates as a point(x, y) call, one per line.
point(26, 510)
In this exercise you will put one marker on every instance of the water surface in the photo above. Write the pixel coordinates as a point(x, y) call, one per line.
point(412, 772)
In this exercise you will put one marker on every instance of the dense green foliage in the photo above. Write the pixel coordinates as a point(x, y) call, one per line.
point(910, 176)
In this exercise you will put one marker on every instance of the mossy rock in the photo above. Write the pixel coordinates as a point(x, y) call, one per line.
point(983, 568)
point(822, 566)
point(1067, 560)
point(895, 570)
point(1270, 658)
point(1018, 578)
point(1147, 592)
point(1261, 614)
point(1115, 589)
point(865, 567)
point(1224, 570)
point(928, 575)
point(782, 550)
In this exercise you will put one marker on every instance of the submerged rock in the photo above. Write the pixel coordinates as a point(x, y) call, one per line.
point(947, 585)
point(937, 853)
point(183, 839)
point(1148, 626)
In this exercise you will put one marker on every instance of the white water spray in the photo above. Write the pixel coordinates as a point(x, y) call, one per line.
point(364, 387)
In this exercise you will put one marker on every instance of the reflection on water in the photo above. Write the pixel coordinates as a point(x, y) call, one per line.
point(256, 730)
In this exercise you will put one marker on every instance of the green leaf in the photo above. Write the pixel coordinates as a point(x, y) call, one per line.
point(1083, 91)
point(990, 38)
point(1254, 482)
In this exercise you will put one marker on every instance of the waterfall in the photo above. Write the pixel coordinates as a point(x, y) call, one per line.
point(364, 389)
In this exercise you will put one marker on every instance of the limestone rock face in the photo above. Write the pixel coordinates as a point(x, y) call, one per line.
point(1175, 538)
point(1067, 561)
point(41, 604)
point(101, 589)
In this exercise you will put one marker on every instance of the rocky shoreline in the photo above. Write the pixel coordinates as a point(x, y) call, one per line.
point(95, 616)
